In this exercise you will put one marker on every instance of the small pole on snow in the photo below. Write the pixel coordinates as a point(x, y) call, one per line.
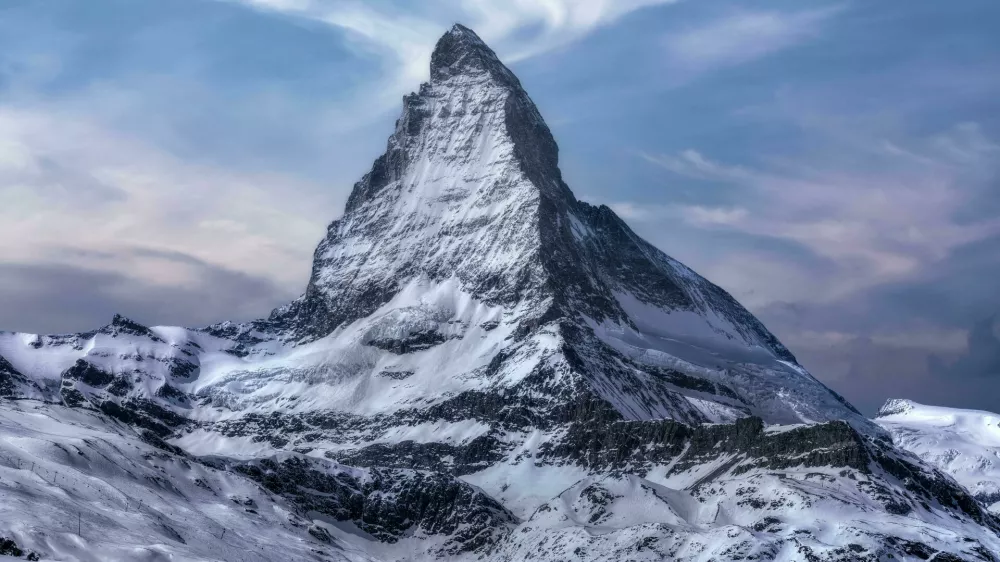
point(79, 524)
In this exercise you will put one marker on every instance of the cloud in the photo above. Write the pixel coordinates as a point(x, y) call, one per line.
point(102, 172)
point(59, 298)
point(931, 365)
point(84, 197)
point(402, 36)
point(885, 223)
point(743, 36)
point(981, 358)
point(922, 338)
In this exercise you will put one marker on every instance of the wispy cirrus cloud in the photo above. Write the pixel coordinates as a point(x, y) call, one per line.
point(103, 173)
point(743, 36)
point(879, 225)
point(402, 35)
point(78, 194)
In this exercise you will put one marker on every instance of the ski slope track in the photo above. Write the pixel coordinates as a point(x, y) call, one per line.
point(482, 367)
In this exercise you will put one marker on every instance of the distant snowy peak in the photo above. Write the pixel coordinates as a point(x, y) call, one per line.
point(962, 443)
point(900, 410)
point(895, 406)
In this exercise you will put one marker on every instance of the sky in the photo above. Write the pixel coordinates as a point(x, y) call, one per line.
point(834, 165)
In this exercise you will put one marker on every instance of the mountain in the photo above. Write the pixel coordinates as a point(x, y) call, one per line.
point(962, 443)
point(464, 238)
point(481, 367)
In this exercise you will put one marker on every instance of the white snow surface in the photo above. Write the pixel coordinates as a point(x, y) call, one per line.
point(76, 486)
point(962, 443)
point(458, 232)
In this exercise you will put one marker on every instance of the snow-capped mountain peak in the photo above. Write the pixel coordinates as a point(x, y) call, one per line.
point(963, 443)
point(484, 367)
point(468, 200)
point(896, 406)
point(464, 241)
point(460, 52)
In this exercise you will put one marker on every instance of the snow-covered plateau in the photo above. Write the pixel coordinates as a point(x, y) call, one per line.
point(963, 443)
point(482, 367)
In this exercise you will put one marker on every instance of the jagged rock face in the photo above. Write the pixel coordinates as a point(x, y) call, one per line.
point(470, 187)
point(389, 504)
point(469, 192)
point(11, 381)
point(450, 197)
point(513, 374)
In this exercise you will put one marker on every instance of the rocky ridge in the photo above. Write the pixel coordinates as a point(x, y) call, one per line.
point(484, 367)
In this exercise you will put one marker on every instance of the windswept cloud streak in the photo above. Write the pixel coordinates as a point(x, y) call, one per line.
point(403, 35)
point(880, 225)
point(78, 194)
point(743, 36)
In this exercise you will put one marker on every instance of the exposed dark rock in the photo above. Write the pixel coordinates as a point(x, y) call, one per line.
point(388, 503)
point(183, 370)
point(10, 548)
point(120, 386)
point(417, 341)
point(121, 325)
point(398, 375)
point(88, 374)
point(933, 485)
point(71, 396)
point(169, 391)
point(10, 378)
point(475, 455)
point(144, 414)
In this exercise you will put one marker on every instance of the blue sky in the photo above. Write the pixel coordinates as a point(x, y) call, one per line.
point(834, 165)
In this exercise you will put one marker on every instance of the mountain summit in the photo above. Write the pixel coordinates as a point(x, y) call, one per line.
point(462, 52)
point(469, 196)
point(482, 367)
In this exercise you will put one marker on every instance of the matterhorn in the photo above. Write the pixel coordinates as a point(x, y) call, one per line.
point(482, 367)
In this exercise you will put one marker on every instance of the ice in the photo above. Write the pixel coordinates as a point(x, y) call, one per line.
point(963, 443)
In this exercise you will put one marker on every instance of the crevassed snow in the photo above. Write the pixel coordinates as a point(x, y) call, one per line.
point(776, 390)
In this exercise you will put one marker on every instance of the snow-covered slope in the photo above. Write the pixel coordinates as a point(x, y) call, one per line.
point(484, 367)
point(464, 225)
point(462, 264)
point(962, 443)
point(78, 486)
